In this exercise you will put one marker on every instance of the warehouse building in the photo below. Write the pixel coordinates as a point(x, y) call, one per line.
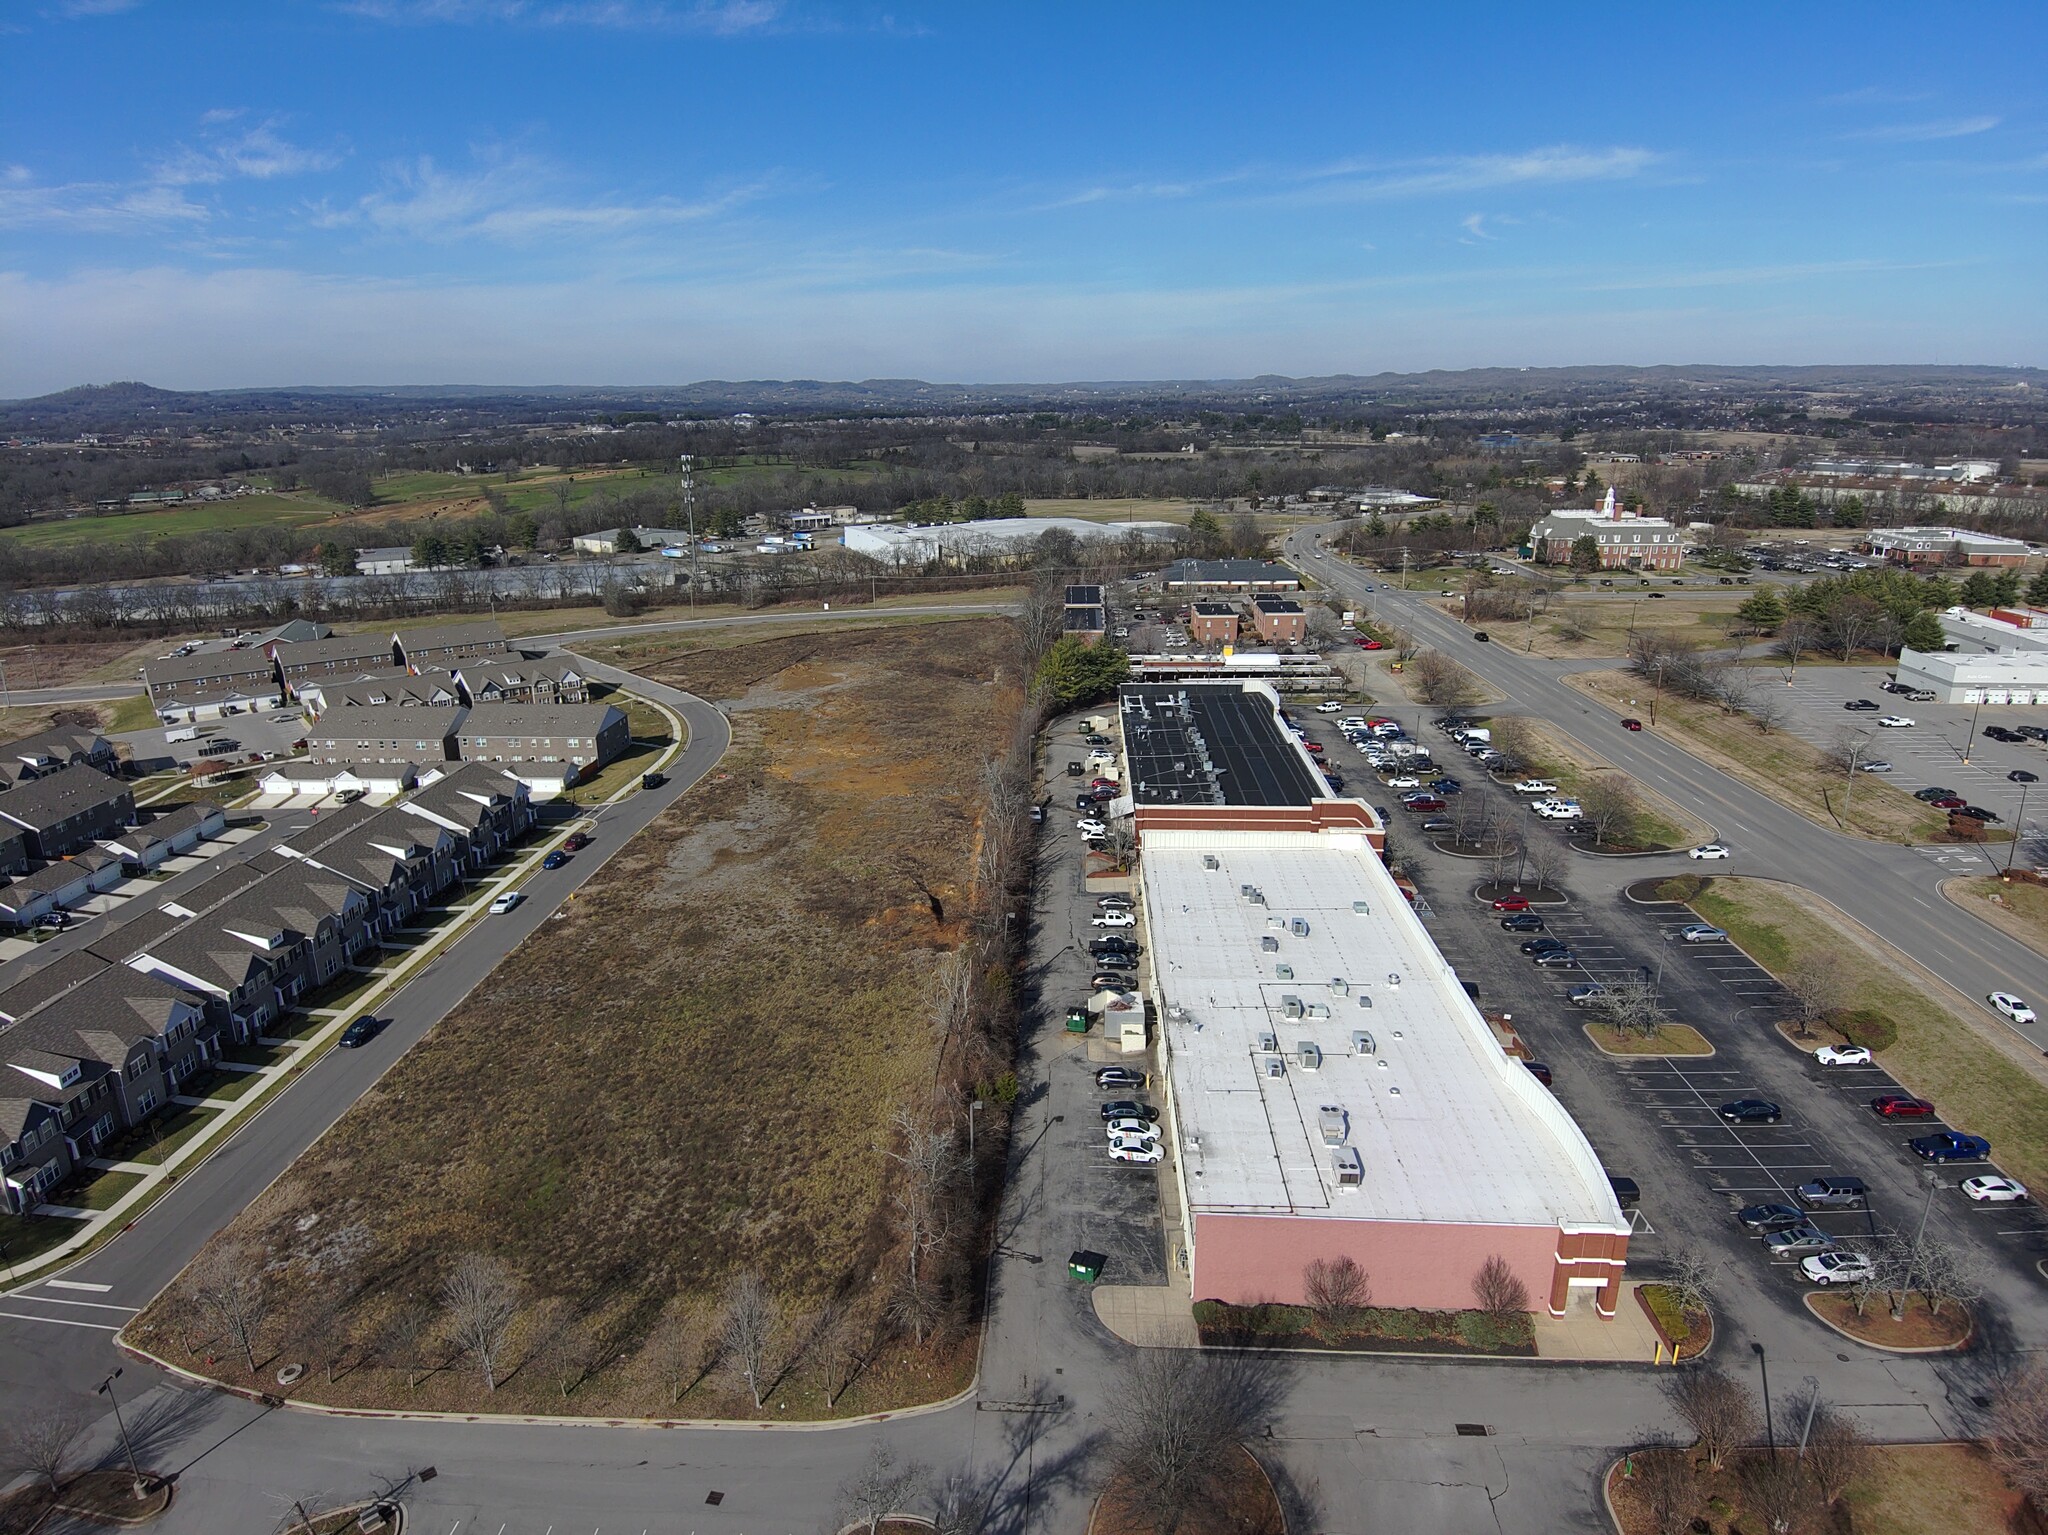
point(1331, 1090)
point(956, 543)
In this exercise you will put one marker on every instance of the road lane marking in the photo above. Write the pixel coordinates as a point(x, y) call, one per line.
point(51, 1300)
point(76, 1284)
point(58, 1321)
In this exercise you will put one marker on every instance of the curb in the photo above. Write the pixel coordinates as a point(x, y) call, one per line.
point(536, 1420)
point(1960, 1346)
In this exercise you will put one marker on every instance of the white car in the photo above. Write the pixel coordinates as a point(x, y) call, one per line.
point(1353, 722)
point(1101, 758)
point(1329, 706)
point(1130, 1149)
point(1404, 781)
point(1556, 810)
point(1987, 1190)
point(1536, 786)
point(1876, 765)
point(1131, 1129)
point(1895, 721)
point(1700, 932)
point(506, 902)
point(1841, 1266)
point(2011, 1006)
point(1114, 919)
point(1088, 826)
point(1842, 1055)
point(1707, 850)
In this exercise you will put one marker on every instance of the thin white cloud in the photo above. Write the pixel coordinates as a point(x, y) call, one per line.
point(1552, 165)
point(1928, 132)
point(720, 18)
point(94, 207)
point(77, 9)
point(260, 154)
point(1474, 224)
point(512, 199)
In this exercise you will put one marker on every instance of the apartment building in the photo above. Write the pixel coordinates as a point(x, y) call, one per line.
point(67, 810)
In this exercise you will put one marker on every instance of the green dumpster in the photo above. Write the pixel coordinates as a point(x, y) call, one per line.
point(1085, 1266)
point(1077, 1020)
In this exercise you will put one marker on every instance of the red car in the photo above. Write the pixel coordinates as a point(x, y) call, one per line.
point(1512, 903)
point(576, 842)
point(1631, 724)
point(1374, 720)
point(1314, 746)
point(1430, 803)
point(1370, 645)
point(1102, 783)
point(1899, 1106)
point(1951, 803)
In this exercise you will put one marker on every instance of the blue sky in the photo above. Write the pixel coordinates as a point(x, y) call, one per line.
point(210, 194)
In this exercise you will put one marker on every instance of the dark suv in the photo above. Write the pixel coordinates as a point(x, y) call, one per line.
point(1833, 1194)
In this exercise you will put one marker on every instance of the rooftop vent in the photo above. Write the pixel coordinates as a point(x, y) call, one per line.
point(1209, 860)
point(1393, 978)
point(1363, 908)
point(1298, 927)
point(1339, 986)
point(1284, 972)
point(1269, 944)
point(1311, 1056)
point(1364, 1000)
point(1349, 1169)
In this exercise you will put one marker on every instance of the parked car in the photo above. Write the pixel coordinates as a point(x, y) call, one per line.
point(1094, 738)
point(1585, 996)
point(1840, 1266)
point(1896, 721)
point(1129, 1108)
point(1769, 1217)
point(1329, 706)
point(1114, 944)
point(1088, 826)
point(1979, 813)
point(1557, 809)
point(1109, 980)
point(1523, 922)
point(1901, 1106)
point(1130, 1149)
point(1874, 765)
point(1539, 1071)
point(1843, 1055)
point(1115, 903)
point(2011, 1006)
point(1556, 959)
point(1859, 703)
point(1447, 785)
point(2021, 775)
point(1798, 1241)
point(554, 860)
point(653, 780)
point(1427, 802)
point(2000, 733)
point(1931, 794)
point(361, 1032)
point(1543, 945)
point(1119, 1079)
point(1750, 1111)
point(1114, 919)
point(2035, 732)
point(1438, 823)
point(1512, 903)
point(1700, 932)
point(1951, 802)
point(1535, 786)
point(1986, 1189)
point(1127, 1125)
point(506, 902)
point(576, 841)
point(1406, 781)
point(1842, 1193)
point(1707, 851)
point(1950, 1146)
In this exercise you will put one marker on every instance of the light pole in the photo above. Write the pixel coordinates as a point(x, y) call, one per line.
point(689, 489)
point(1812, 1406)
point(1906, 1281)
point(2019, 830)
point(107, 1390)
point(1970, 740)
point(973, 1109)
point(1770, 1431)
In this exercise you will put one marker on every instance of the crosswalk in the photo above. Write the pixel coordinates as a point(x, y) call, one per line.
point(66, 1303)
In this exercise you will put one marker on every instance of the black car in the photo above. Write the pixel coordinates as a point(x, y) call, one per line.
point(2000, 733)
point(1859, 703)
point(1751, 1111)
point(1539, 1071)
point(1119, 1079)
point(1448, 786)
point(361, 1032)
point(1129, 1108)
point(1769, 1217)
point(1978, 813)
point(1627, 1193)
point(1482, 636)
point(1542, 945)
point(1104, 946)
point(2021, 775)
point(1930, 795)
point(2034, 732)
point(1094, 739)
point(1522, 922)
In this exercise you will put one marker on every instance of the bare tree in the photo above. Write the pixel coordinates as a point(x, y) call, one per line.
point(570, 1352)
point(1665, 1483)
point(1123, 841)
point(1947, 1275)
point(1499, 1289)
point(40, 1442)
point(747, 1330)
point(1780, 1493)
point(840, 1349)
point(1441, 681)
point(1837, 1452)
point(1717, 1407)
point(679, 1349)
point(1336, 1289)
point(481, 1301)
point(1692, 1278)
point(881, 1487)
point(403, 1339)
point(1403, 644)
point(959, 1505)
point(1502, 848)
point(1178, 1413)
point(1766, 707)
point(1631, 1007)
point(923, 1199)
point(1880, 1279)
point(1609, 805)
point(2018, 1430)
point(1796, 637)
point(1546, 858)
point(227, 1284)
point(1815, 985)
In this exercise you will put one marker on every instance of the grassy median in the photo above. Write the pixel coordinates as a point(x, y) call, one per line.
point(1982, 1083)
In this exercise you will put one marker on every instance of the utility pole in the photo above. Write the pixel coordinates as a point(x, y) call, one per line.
point(2019, 830)
point(1770, 1431)
point(1971, 739)
point(1906, 1283)
point(107, 1390)
point(689, 487)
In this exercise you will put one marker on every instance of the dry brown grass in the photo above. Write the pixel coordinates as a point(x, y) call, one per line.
point(1780, 764)
point(689, 1074)
point(1919, 1327)
point(2019, 910)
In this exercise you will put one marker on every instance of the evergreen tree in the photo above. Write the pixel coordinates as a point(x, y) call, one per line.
point(1585, 553)
point(1980, 590)
point(1923, 632)
point(1074, 672)
point(2037, 590)
point(1764, 611)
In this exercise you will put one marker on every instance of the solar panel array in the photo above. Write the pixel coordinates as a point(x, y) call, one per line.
point(1210, 745)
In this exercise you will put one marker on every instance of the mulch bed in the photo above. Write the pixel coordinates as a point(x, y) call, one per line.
point(1243, 1504)
point(106, 1496)
point(1379, 1330)
point(1917, 1329)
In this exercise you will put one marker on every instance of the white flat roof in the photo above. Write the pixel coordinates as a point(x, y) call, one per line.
point(1448, 1127)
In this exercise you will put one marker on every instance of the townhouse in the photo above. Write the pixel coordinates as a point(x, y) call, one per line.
point(185, 689)
point(443, 647)
point(67, 810)
point(40, 755)
point(545, 746)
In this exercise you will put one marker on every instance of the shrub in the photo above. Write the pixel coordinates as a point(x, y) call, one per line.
point(1866, 1027)
point(1666, 1311)
point(1682, 887)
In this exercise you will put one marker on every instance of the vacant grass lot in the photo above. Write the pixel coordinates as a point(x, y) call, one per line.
point(1780, 764)
point(2018, 910)
point(1983, 1079)
point(1572, 767)
point(688, 1074)
point(1911, 1489)
point(168, 522)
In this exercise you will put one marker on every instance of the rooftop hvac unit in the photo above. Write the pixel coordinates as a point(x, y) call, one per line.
point(1290, 1007)
point(1276, 1066)
point(1209, 860)
point(1361, 1042)
point(1299, 927)
point(1344, 1161)
point(1268, 1040)
point(1269, 944)
point(1363, 908)
point(1365, 999)
point(1246, 892)
point(1393, 978)
point(1311, 1056)
point(1283, 972)
point(1258, 897)
point(1319, 1009)
point(1339, 986)
point(1331, 1120)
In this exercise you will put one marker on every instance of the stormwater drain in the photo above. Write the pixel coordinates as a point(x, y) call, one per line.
point(1473, 1430)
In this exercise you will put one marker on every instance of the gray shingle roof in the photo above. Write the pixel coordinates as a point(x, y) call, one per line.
point(580, 720)
point(180, 672)
point(348, 724)
point(342, 647)
point(42, 802)
point(450, 636)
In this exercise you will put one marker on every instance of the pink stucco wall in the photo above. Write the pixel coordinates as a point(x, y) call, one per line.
point(1247, 1259)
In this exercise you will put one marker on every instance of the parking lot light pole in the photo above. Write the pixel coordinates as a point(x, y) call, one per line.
point(107, 1390)
point(1763, 1364)
point(2019, 830)
point(1812, 1406)
point(1906, 1280)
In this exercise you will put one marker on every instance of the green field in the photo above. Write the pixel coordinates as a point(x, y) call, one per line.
point(170, 522)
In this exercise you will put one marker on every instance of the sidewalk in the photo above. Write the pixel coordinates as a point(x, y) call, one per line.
point(156, 1177)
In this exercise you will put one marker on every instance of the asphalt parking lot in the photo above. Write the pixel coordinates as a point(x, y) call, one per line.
point(1931, 751)
point(1112, 1208)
